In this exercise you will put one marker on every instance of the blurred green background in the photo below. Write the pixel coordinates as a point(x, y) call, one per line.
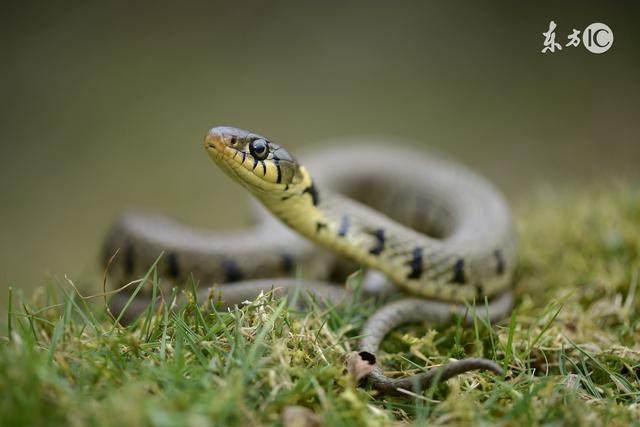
point(105, 103)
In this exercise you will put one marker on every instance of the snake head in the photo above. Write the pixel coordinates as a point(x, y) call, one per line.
point(256, 162)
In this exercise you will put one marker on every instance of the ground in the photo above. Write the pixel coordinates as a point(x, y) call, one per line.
point(570, 348)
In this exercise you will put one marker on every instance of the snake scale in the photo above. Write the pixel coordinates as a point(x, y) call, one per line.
point(432, 229)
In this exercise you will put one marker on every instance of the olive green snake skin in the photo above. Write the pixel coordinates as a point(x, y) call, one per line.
point(420, 224)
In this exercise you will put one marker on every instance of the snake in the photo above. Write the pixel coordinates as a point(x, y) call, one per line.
point(429, 232)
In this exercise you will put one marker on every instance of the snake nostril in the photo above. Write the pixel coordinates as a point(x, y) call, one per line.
point(368, 357)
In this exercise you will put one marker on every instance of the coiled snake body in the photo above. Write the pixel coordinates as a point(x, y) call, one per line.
point(432, 227)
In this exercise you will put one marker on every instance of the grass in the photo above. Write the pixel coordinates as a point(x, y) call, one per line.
point(571, 347)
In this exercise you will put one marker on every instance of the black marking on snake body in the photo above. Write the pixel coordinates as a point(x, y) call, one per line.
point(231, 270)
point(277, 163)
point(255, 163)
point(172, 265)
point(129, 259)
point(288, 263)
point(283, 198)
point(458, 272)
point(500, 264)
point(244, 156)
point(416, 264)
point(264, 167)
point(370, 358)
point(313, 192)
point(320, 225)
point(233, 140)
point(345, 223)
point(380, 241)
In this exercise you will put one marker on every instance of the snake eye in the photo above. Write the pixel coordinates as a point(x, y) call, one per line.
point(259, 149)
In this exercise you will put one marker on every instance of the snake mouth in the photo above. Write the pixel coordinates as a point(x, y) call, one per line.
point(215, 141)
point(220, 148)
